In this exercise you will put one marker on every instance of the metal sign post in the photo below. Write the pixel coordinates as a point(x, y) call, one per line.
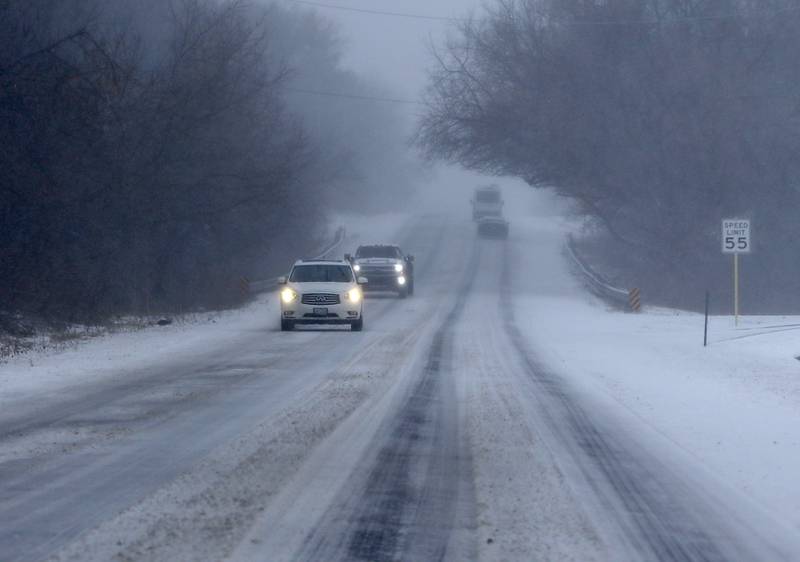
point(736, 240)
point(736, 289)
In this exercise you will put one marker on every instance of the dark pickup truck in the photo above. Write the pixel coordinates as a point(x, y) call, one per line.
point(386, 267)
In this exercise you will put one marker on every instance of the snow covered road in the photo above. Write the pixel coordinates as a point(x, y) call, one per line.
point(447, 430)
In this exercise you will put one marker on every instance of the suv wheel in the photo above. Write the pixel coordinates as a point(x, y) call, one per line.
point(357, 325)
point(287, 325)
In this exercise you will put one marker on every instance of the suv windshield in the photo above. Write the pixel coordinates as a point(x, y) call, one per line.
point(377, 252)
point(321, 274)
point(488, 197)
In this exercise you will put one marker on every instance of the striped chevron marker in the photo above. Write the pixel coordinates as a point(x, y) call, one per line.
point(635, 300)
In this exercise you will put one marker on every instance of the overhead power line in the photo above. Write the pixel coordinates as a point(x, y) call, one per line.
point(375, 12)
point(555, 21)
point(681, 19)
point(353, 96)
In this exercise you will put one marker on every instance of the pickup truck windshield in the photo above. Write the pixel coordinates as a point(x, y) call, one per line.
point(321, 274)
point(378, 252)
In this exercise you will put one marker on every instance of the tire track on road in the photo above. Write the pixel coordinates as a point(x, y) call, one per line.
point(420, 482)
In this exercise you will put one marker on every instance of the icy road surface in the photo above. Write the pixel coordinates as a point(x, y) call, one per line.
point(447, 430)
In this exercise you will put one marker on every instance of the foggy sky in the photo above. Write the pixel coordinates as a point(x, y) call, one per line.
point(395, 49)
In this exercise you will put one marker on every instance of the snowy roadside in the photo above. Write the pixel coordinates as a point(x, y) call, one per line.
point(731, 409)
point(47, 341)
point(50, 367)
point(110, 354)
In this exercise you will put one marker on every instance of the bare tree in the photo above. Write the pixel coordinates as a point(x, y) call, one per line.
point(659, 117)
point(149, 158)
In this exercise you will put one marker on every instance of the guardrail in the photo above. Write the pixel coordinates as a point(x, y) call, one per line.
point(621, 298)
point(255, 287)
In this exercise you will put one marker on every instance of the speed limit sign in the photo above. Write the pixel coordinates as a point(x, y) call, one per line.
point(735, 236)
point(736, 240)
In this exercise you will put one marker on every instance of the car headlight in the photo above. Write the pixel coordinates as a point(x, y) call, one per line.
point(357, 267)
point(354, 295)
point(398, 267)
point(288, 296)
point(401, 280)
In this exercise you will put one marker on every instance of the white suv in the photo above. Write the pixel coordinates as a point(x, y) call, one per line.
point(322, 292)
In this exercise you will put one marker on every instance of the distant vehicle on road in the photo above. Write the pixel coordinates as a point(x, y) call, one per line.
point(493, 227)
point(487, 202)
point(386, 267)
point(322, 292)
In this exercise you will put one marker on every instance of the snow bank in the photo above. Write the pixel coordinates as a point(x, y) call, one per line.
point(732, 409)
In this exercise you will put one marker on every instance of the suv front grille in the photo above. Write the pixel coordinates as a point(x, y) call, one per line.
point(321, 299)
point(378, 269)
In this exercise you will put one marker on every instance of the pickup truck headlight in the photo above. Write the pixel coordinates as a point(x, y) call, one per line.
point(354, 295)
point(288, 296)
point(398, 267)
point(357, 268)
